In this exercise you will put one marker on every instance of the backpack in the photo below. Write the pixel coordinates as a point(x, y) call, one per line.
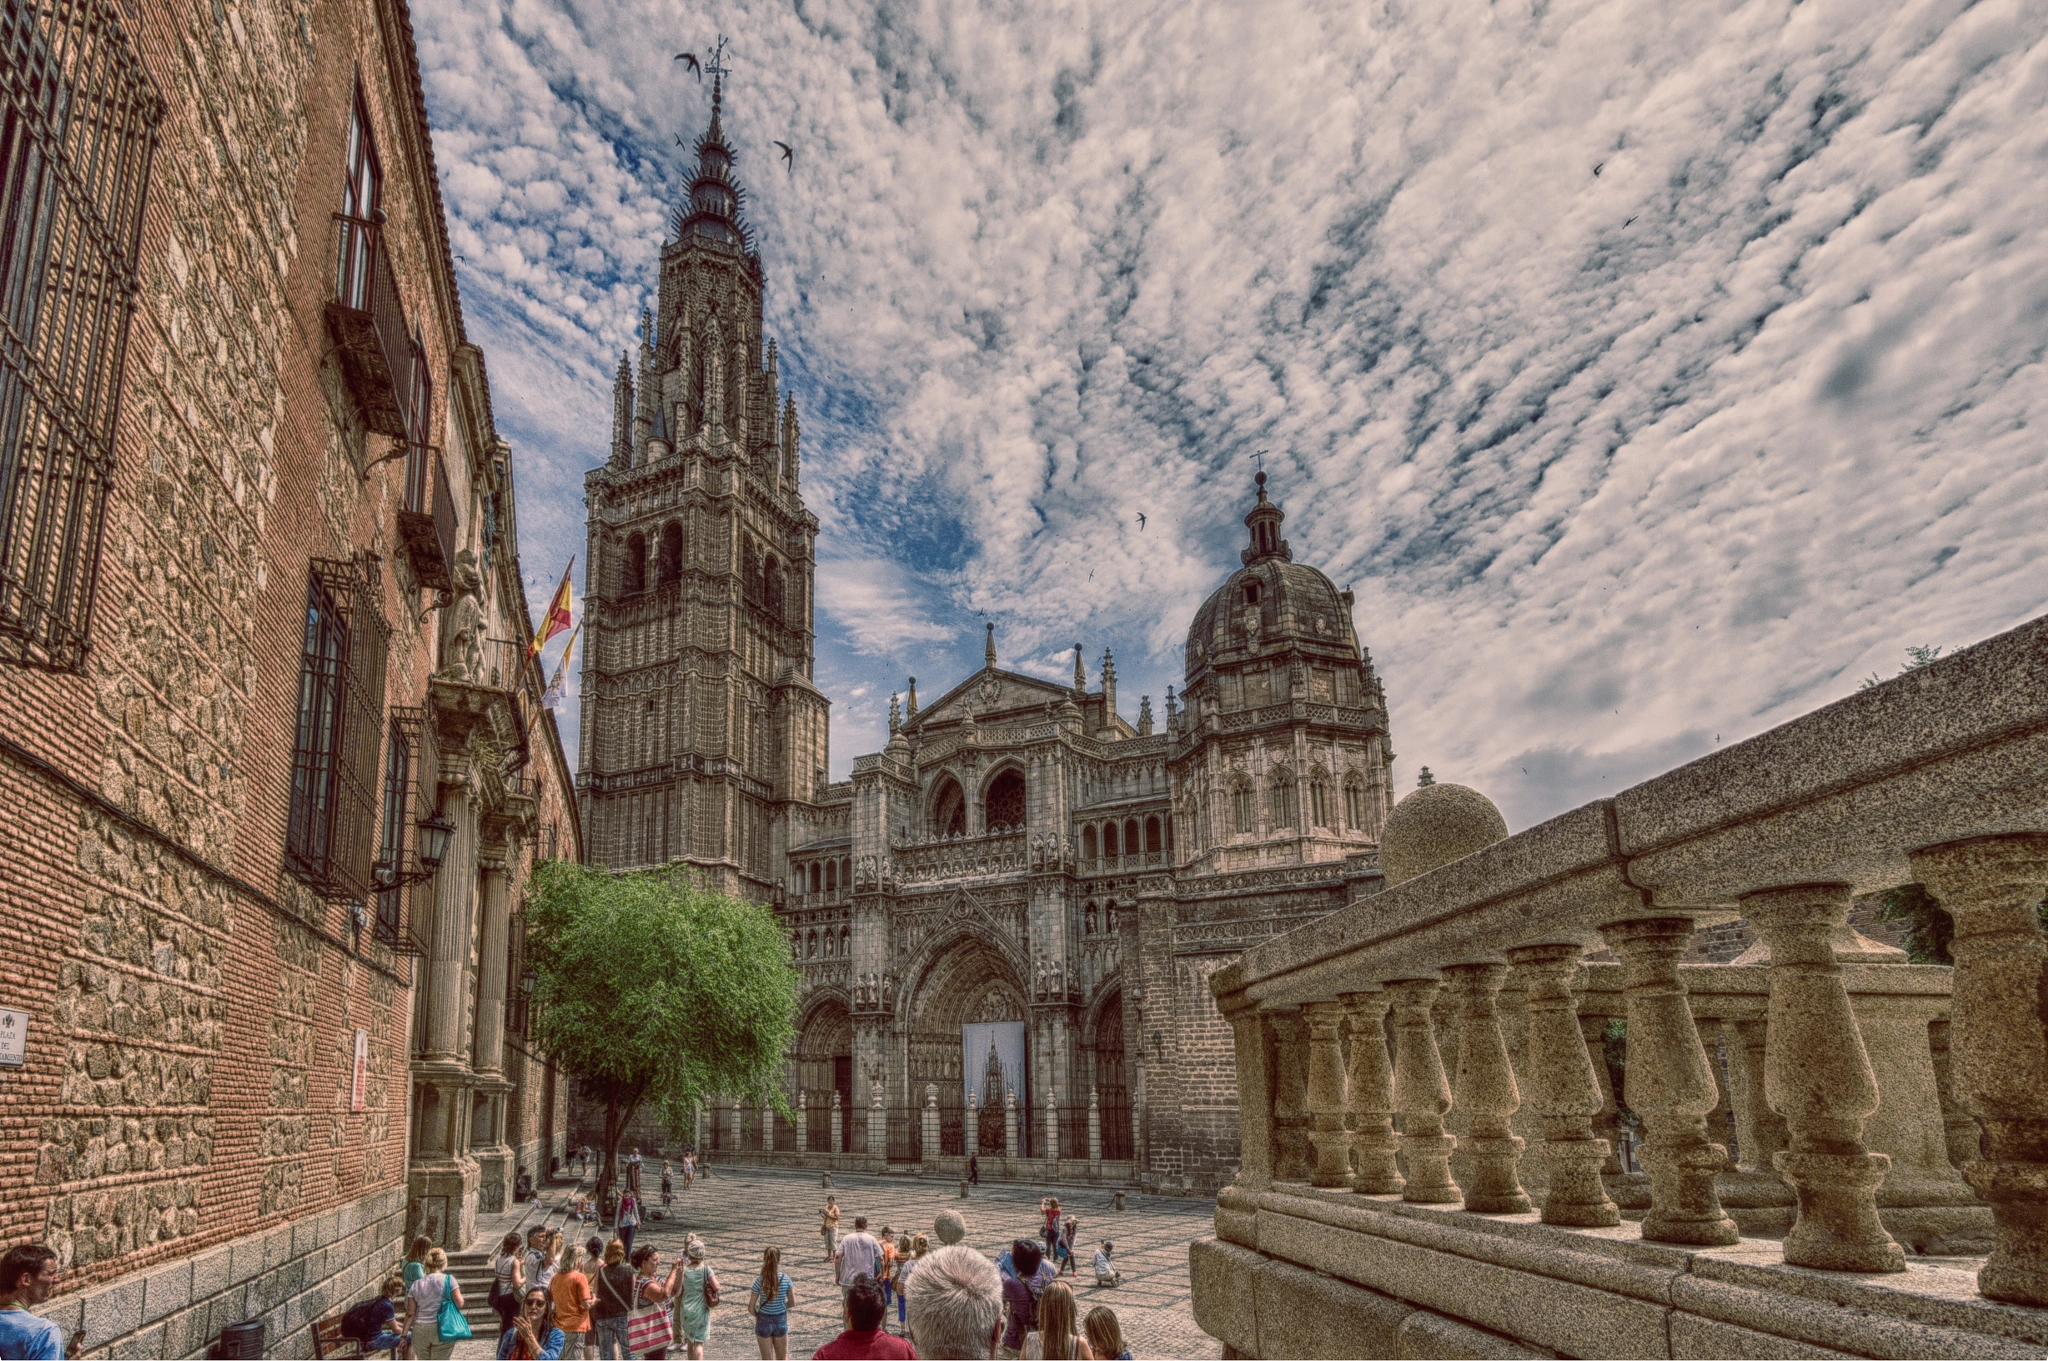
point(358, 1322)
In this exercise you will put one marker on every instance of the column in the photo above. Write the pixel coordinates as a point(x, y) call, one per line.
point(1422, 1095)
point(448, 950)
point(1486, 1091)
point(1095, 1131)
point(738, 1126)
point(493, 963)
point(1669, 1085)
point(929, 1146)
point(838, 1124)
point(972, 1123)
point(1327, 1136)
point(878, 1126)
point(1817, 1075)
point(1254, 1099)
point(1998, 1045)
point(1369, 1096)
point(1010, 1124)
point(1564, 1089)
point(803, 1125)
point(1052, 1124)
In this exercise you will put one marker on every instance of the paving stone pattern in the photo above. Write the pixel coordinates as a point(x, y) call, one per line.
point(739, 1212)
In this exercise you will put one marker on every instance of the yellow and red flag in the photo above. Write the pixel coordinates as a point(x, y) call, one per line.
point(556, 620)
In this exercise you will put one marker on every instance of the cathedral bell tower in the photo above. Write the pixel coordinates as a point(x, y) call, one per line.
point(701, 726)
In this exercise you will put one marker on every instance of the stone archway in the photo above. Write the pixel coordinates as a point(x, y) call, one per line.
point(969, 980)
point(824, 1065)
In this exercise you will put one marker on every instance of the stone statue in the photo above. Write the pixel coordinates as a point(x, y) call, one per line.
point(462, 628)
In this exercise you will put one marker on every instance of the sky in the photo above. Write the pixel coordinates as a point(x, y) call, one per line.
point(1652, 374)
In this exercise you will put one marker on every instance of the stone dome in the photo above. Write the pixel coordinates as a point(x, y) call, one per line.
point(1291, 604)
point(1435, 825)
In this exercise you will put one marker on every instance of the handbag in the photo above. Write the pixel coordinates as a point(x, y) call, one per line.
point(710, 1291)
point(449, 1322)
point(648, 1327)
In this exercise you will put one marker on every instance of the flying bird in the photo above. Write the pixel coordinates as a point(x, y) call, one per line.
point(1141, 519)
point(788, 156)
point(695, 65)
point(1596, 170)
point(1624, 226)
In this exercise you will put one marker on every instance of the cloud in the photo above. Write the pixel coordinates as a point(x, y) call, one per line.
point(1644, 380)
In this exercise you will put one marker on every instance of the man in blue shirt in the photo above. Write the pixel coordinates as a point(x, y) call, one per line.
point(28, 1275)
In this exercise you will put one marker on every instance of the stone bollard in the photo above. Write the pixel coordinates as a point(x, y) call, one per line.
point(1119, 1201)
point(963, 1190)
point(826, 1181)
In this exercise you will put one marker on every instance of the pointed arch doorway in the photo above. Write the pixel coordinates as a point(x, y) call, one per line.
point(969, 983)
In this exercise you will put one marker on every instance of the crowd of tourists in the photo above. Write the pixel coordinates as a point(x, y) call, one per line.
point(606, 1297)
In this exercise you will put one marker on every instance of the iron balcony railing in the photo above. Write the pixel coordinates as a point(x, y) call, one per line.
point(368, 319)
point(426, 517)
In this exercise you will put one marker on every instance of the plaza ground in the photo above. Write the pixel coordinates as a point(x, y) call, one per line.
point(736, 1213)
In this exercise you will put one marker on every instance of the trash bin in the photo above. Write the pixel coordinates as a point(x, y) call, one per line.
point(242, 1339)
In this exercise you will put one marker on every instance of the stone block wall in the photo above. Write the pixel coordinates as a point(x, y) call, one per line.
point(285, 1277)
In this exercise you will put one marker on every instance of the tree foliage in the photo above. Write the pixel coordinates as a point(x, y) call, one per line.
point(1916, 657)
point(1925, 930)
point(656, 992)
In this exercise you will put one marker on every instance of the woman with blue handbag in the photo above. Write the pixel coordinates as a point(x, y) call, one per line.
point(433, 1310)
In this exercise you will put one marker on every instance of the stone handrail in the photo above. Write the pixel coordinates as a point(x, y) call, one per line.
point(1939, 776)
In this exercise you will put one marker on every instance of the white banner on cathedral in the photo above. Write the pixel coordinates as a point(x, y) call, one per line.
point(1003, 1039)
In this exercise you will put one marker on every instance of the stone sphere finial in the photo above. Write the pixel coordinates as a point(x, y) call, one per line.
point(1435, 825)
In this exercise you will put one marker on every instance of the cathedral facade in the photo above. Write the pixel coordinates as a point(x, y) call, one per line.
point(1006, 920)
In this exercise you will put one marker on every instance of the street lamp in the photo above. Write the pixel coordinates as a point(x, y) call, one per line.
point(434, 834)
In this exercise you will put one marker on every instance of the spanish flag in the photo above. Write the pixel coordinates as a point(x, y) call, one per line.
point(556, 620)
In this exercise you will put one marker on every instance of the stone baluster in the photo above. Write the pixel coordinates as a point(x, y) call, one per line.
point(803, 1125)
point(1052, 1125)
point(1010, 1123)
point(1607, 1120)
point(1290, 1092)
point(1486, 1091)
point(1759, 1131)
point(1817, 1075)
point(1669, 1085)
point(838, 1124)
point(1095, 1131)
point(1331, 1165)
point(738, 1126)
point(928, 1147)
point(1369, 1096)
point(1998, 1044)
point(1421, 1094)
point(1564, 1088)
point(972, 1145)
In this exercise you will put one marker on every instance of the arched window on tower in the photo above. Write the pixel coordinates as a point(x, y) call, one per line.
point(771, 587)
point(750, 571)
point(1153, 844)
point(669, 565)
point(832, 876)
point(1090, 849)
point(1004, 806)
point(633, 567)
point(1244, 813)
point(1131, 842)
point(1109, 843)
point(1319, 799)
point(1354, 803)
point(949, 809)
point(1280, 799)
point(816, 883)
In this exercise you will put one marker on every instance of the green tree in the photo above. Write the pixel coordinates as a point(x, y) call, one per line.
point(1916, 657)
point(656, 992)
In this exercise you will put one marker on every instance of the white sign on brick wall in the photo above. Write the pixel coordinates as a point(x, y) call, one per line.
point(13, 1038)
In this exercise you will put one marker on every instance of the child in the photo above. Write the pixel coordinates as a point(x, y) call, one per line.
point(885, 1270)
point(373, 1324)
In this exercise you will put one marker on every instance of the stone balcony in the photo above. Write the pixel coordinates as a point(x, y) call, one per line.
point(1447, 1187)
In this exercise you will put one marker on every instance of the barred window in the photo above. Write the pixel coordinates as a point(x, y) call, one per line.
point(1244, 813)
point(1354, 803)
point(339, 731)
point(1282, 796)
point(1319, 800)
point(362, 203)
point(411, 775)
point(76, 140)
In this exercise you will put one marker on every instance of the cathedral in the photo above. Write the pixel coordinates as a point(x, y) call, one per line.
point(1006, 920)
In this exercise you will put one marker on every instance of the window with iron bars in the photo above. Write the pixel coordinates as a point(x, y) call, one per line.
point(410, 782)
point(517, 998)
point(338, 734)
point(77, 136)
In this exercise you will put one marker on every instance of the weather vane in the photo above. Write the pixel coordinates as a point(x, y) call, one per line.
point(1259, 457)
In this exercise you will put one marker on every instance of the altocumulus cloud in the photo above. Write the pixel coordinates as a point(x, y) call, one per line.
point(1650, 380)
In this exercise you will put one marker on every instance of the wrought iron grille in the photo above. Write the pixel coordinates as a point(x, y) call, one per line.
point(335, 752)
point(411, 779)
point(78, 135)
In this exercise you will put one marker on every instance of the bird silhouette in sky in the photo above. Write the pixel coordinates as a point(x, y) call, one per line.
point(1141, 519)
point(788, 156)
point(695, 65)
point(1596, 170)
point(1624, 226)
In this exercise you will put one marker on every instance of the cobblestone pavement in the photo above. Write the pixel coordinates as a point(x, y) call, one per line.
point(740, 1211)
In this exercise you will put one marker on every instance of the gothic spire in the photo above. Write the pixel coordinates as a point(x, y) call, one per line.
point(713, 206)
point(988, 651)
point(1264, 523)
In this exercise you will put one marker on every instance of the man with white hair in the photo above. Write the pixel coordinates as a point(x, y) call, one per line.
point(955, 1305)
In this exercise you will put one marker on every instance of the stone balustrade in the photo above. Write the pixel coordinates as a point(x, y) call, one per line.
point(1427, 1120)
